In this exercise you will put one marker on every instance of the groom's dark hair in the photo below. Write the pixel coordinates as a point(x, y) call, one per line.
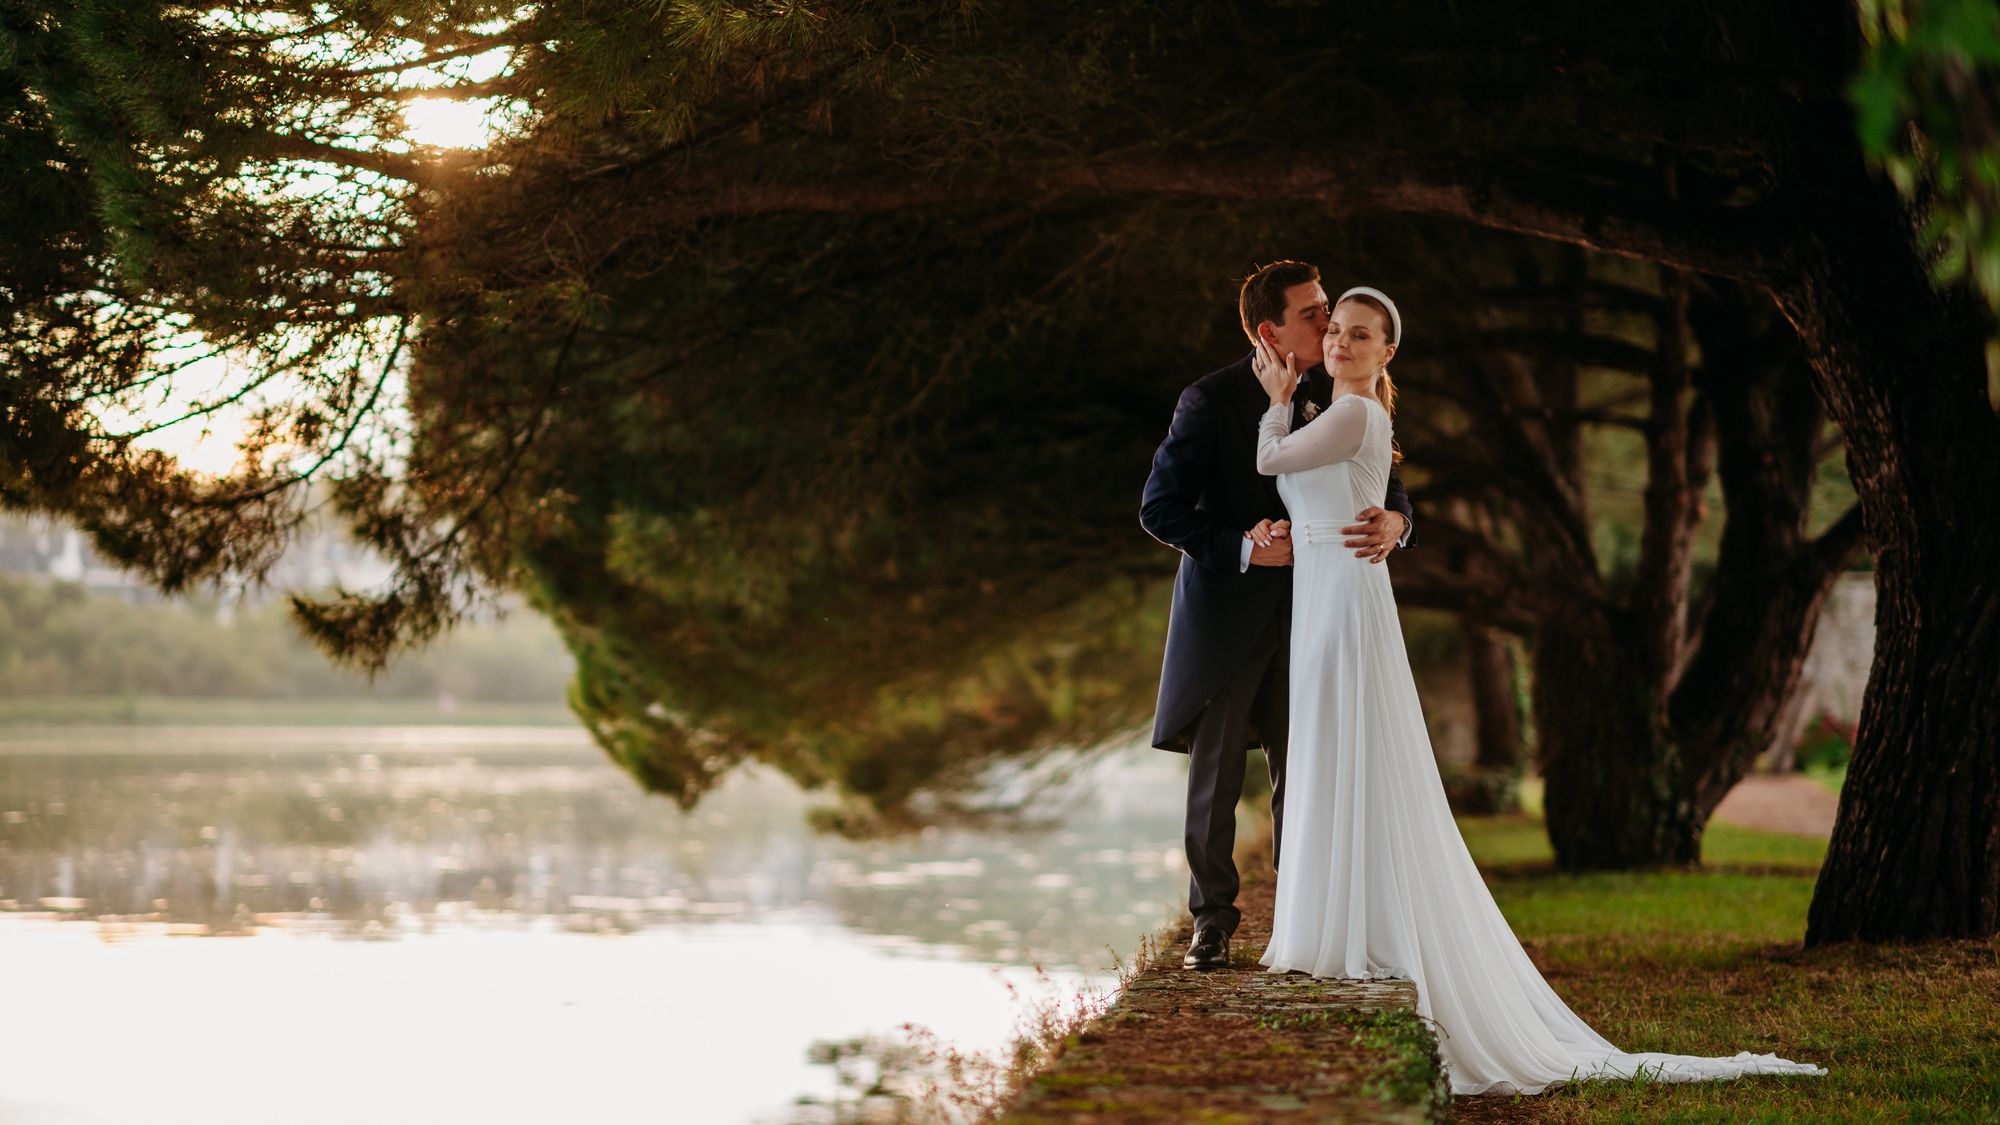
point(1263, 295)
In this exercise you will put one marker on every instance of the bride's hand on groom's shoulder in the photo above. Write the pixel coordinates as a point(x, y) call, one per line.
point(1279, 379)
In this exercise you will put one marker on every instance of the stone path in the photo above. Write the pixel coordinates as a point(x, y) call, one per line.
point(1240, 1044)
point(1780, 803)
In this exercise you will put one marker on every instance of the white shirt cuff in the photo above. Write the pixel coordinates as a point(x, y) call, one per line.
point(1244, 566)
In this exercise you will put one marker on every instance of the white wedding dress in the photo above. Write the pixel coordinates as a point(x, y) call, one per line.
point(1374, 879)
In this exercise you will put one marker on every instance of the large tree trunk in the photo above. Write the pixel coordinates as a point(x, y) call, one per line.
point(1614, 792)
point(1639, 748)
point(1493, 785)
point(1916, 849)
point(1615, 780)
point(1643, 713)
point(1771, 579)
point(1490, 665)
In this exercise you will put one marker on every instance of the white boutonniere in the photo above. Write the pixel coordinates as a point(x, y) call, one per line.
point(1312, 408)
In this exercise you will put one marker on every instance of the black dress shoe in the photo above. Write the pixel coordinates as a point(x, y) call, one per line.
point(1209, 950)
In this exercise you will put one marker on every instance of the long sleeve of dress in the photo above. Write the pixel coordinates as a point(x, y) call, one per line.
point(1333, 436)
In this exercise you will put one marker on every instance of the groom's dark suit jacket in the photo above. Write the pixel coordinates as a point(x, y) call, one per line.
point(1203, 494)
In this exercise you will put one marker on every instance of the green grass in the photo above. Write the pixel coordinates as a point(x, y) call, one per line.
point(1754, 885)
point(1833, 777)
point(1711, 961)
point(153, 710)
point(1514, 841)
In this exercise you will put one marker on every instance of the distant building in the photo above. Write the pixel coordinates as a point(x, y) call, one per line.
point(1835, 676)
point(45, 548)
point(317, 560)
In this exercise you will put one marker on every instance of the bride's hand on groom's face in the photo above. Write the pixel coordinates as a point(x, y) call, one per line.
point(1279, 378)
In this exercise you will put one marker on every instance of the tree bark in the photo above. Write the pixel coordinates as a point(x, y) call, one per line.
point(1614, 791)
point(1916, 847)
point(1771, 579)
point(1490, 666)
point(1494, 784)
point(1666, 553)
point(1901, 367)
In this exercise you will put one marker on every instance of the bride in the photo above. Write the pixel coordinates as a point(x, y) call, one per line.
point(1373, 877)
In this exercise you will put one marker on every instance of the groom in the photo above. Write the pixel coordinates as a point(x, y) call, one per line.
point(1224, 682)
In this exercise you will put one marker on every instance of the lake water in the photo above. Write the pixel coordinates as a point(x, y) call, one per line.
point(433, 925)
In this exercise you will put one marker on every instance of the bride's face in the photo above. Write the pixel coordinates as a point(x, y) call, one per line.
point(1357, 341)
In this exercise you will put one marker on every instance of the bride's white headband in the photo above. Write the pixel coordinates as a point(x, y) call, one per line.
point(1395, 318)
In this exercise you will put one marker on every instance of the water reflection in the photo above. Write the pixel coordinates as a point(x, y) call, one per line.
point(526, 911)
point(385, 832)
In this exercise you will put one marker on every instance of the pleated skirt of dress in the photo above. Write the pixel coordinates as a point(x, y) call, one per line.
point(1375, 880)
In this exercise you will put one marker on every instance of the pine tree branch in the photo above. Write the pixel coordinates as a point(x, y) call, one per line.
point(511, 37)
point(299, 147)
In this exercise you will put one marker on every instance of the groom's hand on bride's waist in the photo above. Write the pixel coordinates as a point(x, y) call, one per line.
point(1379, 532)
point(1270, 543)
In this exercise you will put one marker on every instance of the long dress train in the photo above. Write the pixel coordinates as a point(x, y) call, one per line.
point(1374, 879)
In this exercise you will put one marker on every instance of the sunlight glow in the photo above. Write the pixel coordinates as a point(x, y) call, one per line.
point(210, 441)
point(449, 123)
point(319, 195)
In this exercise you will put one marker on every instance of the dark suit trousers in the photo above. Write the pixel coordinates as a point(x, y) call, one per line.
point(1253, 707)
